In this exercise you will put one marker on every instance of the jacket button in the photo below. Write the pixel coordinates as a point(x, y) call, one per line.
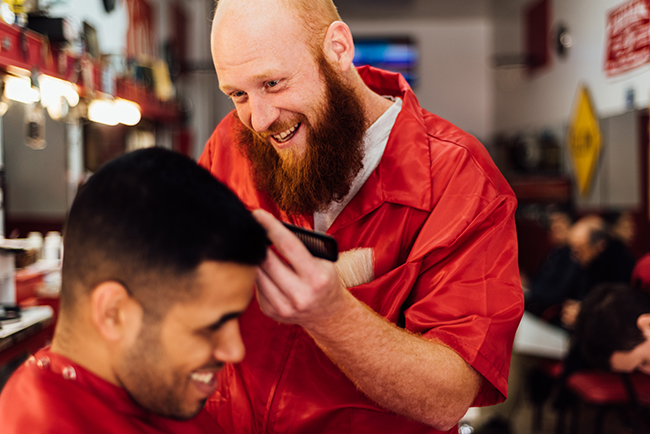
point(43, 362)
point(69, 373)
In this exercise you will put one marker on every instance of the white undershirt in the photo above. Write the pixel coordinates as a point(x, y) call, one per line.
point(374, 143)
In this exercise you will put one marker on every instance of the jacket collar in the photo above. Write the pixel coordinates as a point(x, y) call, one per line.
point(403, 176)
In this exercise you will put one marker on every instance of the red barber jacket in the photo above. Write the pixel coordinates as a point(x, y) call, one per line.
point(49, 394)
point(439, 217)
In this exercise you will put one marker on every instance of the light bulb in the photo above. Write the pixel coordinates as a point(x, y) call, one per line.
point(56, 88)
point(103, 112)
point(128, 112)
point(20, 89)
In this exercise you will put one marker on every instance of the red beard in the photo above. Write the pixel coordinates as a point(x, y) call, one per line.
point(331, 160)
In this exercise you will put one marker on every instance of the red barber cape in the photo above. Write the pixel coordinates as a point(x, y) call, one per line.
point(439, 217)
point(49, 394)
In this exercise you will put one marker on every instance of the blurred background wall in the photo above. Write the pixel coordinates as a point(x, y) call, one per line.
point(474, 68)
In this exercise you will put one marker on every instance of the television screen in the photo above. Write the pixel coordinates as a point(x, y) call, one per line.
point(397, 54)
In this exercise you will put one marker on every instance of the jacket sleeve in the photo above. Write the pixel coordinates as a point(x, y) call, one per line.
point(468, 294)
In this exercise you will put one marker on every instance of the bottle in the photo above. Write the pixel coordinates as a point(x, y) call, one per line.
point(52, 246)
point(36, 243)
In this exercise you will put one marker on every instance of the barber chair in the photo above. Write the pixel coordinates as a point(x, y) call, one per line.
point(542, 382)
point(628, 394)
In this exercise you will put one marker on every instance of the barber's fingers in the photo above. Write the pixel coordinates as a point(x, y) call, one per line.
point(281, 274)
point(300, 289)
point(286, 243)
point(282, 295)
point(269, 295)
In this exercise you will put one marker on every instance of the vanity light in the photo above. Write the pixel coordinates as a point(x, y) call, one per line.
point(20, 89)
point(103, 111)
point(112, 112)
point(129, 112)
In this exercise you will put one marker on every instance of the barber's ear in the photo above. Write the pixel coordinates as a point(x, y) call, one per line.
point(339, 46)
point(643, 323)
point(115, 314)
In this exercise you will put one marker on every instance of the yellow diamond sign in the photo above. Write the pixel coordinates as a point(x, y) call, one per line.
point(584, 140)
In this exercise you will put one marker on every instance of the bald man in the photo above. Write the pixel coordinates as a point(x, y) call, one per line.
point(603, 259)
point(415, 322)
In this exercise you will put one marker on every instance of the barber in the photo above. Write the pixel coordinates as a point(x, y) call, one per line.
point(415, 323)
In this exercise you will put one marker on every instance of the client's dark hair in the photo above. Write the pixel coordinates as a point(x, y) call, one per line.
point(607, 322)
point(148, 219)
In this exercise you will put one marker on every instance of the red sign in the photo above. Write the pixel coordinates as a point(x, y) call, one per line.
point(628, 37)
point(140, 33)
point(538, 16)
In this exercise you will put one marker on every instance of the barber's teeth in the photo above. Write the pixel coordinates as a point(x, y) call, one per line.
point(283, 135)
point(202, 377)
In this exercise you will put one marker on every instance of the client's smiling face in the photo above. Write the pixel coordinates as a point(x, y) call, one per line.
point(171, 368)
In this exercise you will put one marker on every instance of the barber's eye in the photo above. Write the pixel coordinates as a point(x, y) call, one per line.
point(238, 94)
point(272, 83)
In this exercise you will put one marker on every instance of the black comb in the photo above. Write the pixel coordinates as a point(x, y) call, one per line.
point(320, 245)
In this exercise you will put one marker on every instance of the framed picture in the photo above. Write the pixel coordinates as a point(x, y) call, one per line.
point(91, 42)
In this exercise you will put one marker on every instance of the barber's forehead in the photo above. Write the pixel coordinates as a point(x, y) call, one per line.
point(268, 24)
point(252, 12)
point(256, 46)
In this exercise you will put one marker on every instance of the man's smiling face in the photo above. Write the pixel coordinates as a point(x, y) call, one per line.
point(302, 125)
point(265, 65)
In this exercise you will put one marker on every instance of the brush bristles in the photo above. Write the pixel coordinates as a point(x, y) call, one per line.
point(356, 267)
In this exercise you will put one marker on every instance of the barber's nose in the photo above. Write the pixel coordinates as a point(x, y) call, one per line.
point(229, 346)
point(262, 114)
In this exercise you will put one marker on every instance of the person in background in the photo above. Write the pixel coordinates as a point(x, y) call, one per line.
point(621, 226)
point(560, 219)
point(613, 328)
point(418, 322)
point(603, 259)
point(159, 263)
point(609, 322)
point(558, 274)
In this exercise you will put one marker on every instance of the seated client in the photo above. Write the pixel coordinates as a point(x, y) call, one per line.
point(159, 262)
point(613, 330)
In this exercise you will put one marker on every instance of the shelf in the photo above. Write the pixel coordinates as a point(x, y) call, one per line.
point(26, 49)
point(542, 189)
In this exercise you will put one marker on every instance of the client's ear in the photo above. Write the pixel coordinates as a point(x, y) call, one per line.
point(116, 315)
point(643, 323)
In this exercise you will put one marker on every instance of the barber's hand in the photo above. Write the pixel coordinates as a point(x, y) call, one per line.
point(303, 290)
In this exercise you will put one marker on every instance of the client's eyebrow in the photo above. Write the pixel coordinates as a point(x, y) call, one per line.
point(224, 319)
